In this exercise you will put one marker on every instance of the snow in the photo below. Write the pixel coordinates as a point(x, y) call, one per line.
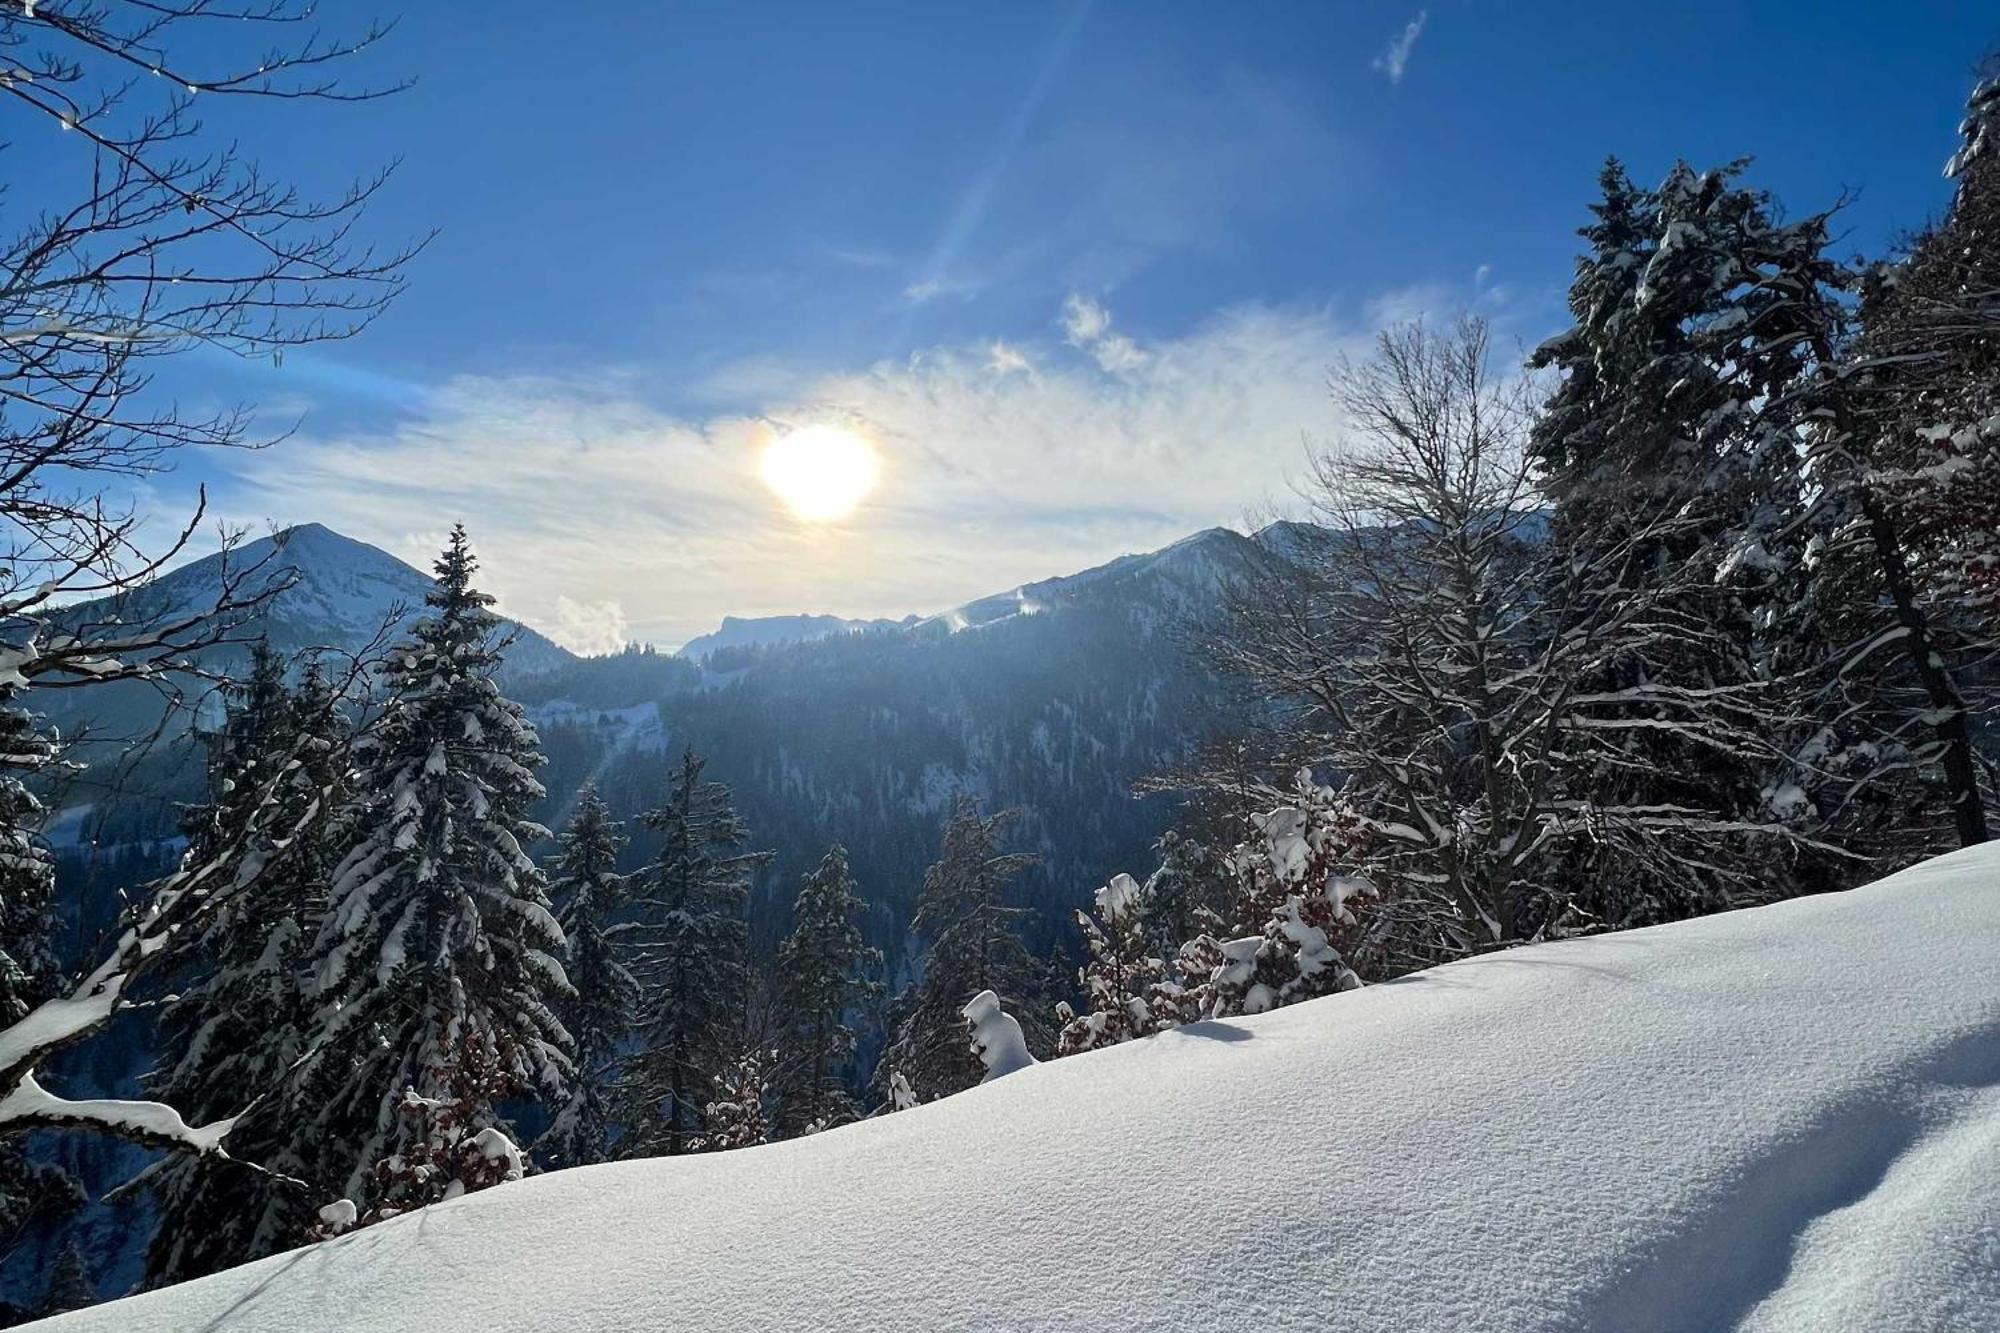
point(996, 1037)
point(1779, 1119)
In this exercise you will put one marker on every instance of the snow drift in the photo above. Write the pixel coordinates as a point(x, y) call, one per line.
point(1786, 1118)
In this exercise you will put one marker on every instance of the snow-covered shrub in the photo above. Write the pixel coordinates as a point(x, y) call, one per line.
point(1119, 977)
point(996, 1036)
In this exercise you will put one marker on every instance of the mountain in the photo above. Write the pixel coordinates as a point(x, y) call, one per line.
point(340, 593)
point(1710, 1125)
point(1053, 698)
point(765, 631)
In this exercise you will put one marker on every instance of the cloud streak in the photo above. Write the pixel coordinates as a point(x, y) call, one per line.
point(1396, 58)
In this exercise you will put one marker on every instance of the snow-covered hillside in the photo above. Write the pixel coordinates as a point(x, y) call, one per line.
point(1785, 1118)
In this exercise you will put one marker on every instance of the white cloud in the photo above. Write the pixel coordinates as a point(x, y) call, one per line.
point(1084, 321)
point(1087, 324)
point(1396, 58)
point(588, 627)
point(1004, 358)
point(1001, 463)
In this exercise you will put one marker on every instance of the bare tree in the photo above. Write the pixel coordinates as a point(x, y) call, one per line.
point(1462, 673)
point(141, 238)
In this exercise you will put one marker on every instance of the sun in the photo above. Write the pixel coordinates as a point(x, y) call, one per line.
point(820, 472)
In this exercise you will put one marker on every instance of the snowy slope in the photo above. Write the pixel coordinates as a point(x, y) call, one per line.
point(1785, 1118)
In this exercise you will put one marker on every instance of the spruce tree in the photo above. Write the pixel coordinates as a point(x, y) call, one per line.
point(439, 952)
point(589, 894)
point(28, 971)
point(237, 1029)
point(964, 918)
point(30, 1191)
point(690, 940)
point(70, 1287)
point(1671, 453)
point(1120, 974)
point(824, 972)
point(1910, 459)
point(737, 1115)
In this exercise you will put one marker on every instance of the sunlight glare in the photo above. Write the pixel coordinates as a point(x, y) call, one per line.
point(820, 472)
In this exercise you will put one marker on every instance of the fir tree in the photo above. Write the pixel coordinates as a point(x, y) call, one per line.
point(963, 915)
point(589, 894)
point(438, 948)
point(28, 971)
point(1670, 450)
point(1120, 975)
point(70, 1286)
point(1910, 461)
point(689, 958)
point(238, 1027)
point(823, 969)
point(31, 1192)
point(737, 1115)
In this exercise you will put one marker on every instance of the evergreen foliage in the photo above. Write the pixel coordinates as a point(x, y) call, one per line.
point(589, 894)
point(438, 947)
point(689, 958)
point(824, 973)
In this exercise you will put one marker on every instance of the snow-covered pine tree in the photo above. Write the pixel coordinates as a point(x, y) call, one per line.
point(1120, 974)
point(965, 919)
point(29, 975)
point(824, 972)
point(237, 1027)
point(450, 1146)
point(1910, 460)
point(689, 943)
point(589, 894)
point(438, 945)
point(737, 1114)
point(70, 1287)
point(1670, 450)
point(27, 875)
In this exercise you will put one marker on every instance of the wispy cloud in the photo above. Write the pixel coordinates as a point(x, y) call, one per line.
point(599, 516)
point(1396, 58)
point(1088, 325)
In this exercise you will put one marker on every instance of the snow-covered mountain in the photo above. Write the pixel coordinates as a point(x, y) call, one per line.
point(1777, 1119)
point(340, 592)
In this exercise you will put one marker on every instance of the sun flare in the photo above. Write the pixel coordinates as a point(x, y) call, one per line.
point(820, 472)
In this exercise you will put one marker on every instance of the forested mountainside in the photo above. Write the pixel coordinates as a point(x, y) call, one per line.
point(1055, 698)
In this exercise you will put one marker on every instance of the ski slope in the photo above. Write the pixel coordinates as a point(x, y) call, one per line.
point(1786, 1118)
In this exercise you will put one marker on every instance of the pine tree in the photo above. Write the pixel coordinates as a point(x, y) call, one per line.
point(28, 971)
point(238, 1027)
point(1910, 460)
point(823, 973)
point(438, 948)
point(30, 1191)
point(1671, 451)
point(963, 915)
point(689, 958)
point(1120, 976)
point(736, 1116)
point(70, 1286)
point(589, 894)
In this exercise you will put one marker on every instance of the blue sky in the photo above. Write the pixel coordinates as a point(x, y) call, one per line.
point(1077, 269)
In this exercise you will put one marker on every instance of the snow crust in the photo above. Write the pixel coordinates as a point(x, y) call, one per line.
point(1778, 1119)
